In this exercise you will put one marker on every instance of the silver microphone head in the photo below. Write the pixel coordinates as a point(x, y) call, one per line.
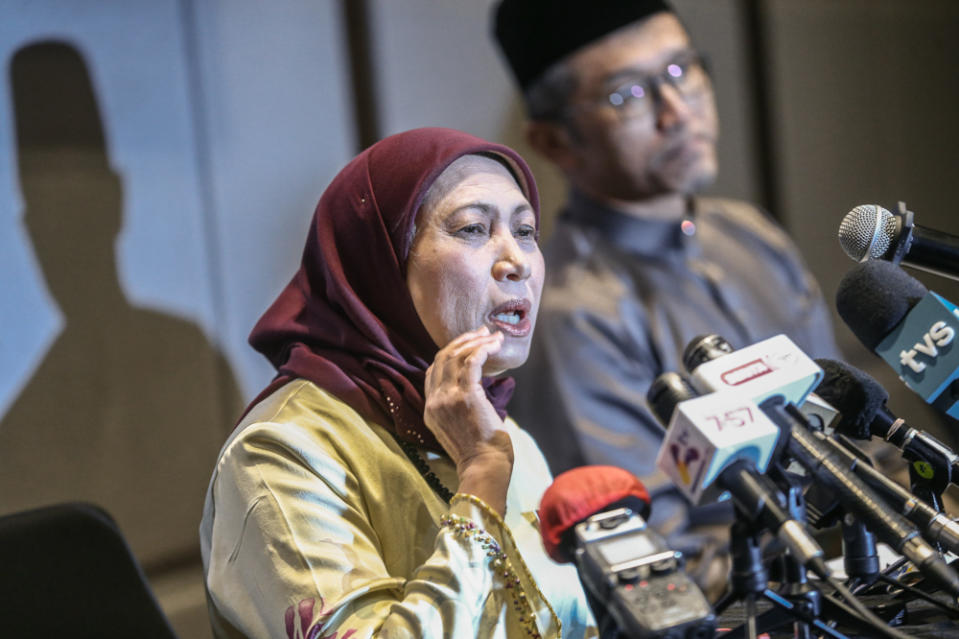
point(867, 231)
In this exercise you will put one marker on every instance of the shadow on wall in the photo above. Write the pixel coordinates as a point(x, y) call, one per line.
point(129, 406)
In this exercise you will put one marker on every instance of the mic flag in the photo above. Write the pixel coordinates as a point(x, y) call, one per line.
point(912, 329)
point(707, 434)
point(920, 350)
point(772, 367)
point(580, 493)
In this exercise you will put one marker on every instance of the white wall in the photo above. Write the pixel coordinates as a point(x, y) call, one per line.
point(140, 78)
point(278, 125)
point(224, 122)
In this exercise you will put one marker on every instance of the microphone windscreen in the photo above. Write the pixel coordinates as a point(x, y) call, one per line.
point(580, 493)
point(856, 395)
point(874, 297)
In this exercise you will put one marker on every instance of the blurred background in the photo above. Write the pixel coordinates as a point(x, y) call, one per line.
point(160, 161)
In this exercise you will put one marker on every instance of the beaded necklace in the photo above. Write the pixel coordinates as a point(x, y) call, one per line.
point(434, 482)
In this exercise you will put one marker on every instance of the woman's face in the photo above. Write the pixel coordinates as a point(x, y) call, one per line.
point(475, 259)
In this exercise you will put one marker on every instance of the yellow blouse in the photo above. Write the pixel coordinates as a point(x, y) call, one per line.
point(317, 526)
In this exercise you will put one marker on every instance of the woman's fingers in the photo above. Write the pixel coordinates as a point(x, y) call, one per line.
point(457, 409)
point(466, 342)
point(473, 359)
point(482, 331)
point(461, 361)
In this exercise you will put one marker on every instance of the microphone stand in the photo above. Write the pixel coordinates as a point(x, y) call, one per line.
point(797, 602)
point(748, 578)
point(860, 556)
point(796, 587)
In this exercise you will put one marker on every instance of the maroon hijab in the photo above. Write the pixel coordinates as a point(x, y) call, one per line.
point(346, 321)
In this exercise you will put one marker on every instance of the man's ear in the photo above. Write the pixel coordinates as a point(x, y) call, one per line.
point(552, 140)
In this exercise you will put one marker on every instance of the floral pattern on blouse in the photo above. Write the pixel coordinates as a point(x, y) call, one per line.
point(311, 622)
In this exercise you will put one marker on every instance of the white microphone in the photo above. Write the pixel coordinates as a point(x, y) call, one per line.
point(723, 442)
point(706, 435)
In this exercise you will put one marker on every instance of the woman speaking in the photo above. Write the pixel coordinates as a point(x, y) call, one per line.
point(375, 488)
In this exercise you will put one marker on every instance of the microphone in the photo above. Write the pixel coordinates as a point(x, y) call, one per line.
point(771, 367)
point(723, 442)
point(936, 527)
point(861, 401)
point(908, 326)
point(812, 451)
point(580, 493)
point(870, 232)
point(594, 516)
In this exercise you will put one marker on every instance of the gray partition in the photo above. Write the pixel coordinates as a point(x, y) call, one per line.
point(865, 95)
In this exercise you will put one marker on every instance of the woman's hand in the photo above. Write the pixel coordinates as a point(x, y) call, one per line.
point(464, 421)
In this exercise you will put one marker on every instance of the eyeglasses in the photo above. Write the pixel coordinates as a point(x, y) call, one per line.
point(641, 96)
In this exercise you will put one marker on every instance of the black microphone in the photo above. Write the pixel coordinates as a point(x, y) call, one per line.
point(814, 452)
point(936, 527)
point(870, 232)
point(874, 298)
point(861, 402)
point(911, 328)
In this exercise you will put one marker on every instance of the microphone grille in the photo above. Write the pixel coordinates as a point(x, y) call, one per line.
point(867, 232)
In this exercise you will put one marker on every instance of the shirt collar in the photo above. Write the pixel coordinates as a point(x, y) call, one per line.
point(641, 236)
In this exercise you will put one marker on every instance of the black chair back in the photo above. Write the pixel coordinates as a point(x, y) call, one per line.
point(67, 571)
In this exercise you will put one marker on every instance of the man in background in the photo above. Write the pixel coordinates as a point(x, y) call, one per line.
point(618, 98)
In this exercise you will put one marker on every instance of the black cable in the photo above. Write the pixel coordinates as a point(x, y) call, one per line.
point(801, 614)
point(864, 613)
point(866, 589)
point(921, 594)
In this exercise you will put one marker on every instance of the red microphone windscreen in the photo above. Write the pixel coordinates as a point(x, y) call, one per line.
point(580, 493)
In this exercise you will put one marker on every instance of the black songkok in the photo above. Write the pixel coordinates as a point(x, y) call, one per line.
point(535, 34)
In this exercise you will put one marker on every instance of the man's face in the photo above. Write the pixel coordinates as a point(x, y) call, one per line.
point(630, 157)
